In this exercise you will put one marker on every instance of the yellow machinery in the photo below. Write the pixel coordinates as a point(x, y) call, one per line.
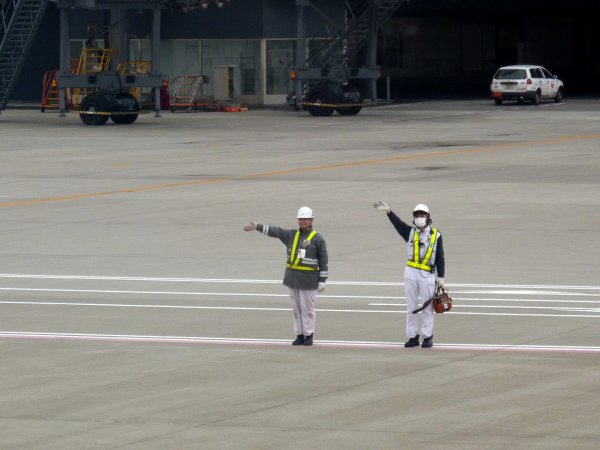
point(92, 61)
point(135, 68)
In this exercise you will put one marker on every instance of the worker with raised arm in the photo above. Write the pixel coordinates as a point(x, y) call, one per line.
point(424, 272)
point(306, 269)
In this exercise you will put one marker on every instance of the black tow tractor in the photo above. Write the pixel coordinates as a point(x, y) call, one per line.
point(324, 97)
point(102, 86)
point(321, 98)
point(340, 75)
point(98, 107)
point(110, 101)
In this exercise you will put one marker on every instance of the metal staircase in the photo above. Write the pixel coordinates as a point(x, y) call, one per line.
point(340, 49)
point(19, 21)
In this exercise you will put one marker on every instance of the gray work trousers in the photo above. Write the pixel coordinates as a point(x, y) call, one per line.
point(303, 305)
point(418, 285)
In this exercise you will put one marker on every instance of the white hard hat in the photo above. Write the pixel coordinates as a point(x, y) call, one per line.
point(305, 213)
point(421, 207)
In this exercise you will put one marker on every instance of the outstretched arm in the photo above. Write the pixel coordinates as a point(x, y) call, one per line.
point(401, 227)
point(270, 230)
point(250, 227)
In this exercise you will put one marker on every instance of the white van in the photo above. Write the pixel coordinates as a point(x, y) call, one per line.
point(523, 82)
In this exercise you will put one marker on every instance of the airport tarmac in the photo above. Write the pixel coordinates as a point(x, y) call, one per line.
point(135, 313)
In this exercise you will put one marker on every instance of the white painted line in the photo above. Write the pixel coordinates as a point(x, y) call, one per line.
point(499, 300)
point(249, 308)
point(252, 281)
point(125, 305)
point(110, 291)
point(218, 294)
point(523, 314)
point(242, 294)
point(286, 342)
point(523, 292)
point(185, 280)
point(552, 308)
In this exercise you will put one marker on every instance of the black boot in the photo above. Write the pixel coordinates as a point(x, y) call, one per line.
point(412, 342)
point(427, 342)
point(299, 340)
point(308, 340)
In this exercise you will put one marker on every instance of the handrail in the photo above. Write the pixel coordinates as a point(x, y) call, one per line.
point(7, 15)
point(340, 48)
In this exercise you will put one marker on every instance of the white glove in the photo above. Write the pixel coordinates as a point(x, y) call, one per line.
point(321, 287)
point(250, 227)
point(439, 283)
point(381, 206)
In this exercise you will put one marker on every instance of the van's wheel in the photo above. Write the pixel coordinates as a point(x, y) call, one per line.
point(559, 96)
point(125, 102)
point(350, 94)
point(536, 98)
point(93, 103)
point(320, 95)
point(498, 101)
point(349, 111)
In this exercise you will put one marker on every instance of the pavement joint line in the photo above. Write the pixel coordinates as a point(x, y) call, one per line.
point(286, 342)
point(344, 165)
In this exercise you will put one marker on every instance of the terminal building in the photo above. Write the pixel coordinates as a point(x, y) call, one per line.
point(425, 48)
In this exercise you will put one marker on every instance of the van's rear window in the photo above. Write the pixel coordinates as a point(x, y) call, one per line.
point(511, 74)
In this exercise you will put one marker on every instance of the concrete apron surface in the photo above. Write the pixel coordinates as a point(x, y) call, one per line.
point(135, 313)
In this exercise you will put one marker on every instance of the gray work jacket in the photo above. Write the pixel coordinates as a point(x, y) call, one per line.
point(309, 265)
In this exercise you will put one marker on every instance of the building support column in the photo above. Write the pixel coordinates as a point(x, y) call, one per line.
point(117, 37)
point(155, 68)
point(263, 70)
point(372, 46)
point(64, 59)
point(300, 50)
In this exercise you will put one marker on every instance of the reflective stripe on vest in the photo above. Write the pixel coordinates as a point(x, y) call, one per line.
point(293, 264)
point(415, 262)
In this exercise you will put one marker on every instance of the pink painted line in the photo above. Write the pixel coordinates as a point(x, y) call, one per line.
point(286, 342)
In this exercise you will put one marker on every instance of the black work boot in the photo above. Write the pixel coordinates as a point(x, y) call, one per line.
point(427, 342)
point(412, 342)
point(299, 340)
point(308, 340)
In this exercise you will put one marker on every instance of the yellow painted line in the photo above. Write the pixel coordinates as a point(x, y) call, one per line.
point(345, 165)
point(107, 193)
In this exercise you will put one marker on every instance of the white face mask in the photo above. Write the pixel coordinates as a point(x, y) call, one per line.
point(421, 222)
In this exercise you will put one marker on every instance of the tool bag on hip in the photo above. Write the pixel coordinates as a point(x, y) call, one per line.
point(442, 302)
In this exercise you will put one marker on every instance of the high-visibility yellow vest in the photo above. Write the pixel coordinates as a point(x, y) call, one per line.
point(294, 259)
point(416, 261)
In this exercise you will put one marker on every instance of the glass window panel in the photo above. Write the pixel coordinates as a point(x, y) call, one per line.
point(139, 50)
point(244, 55)
point(180, 57)
point(281, 54)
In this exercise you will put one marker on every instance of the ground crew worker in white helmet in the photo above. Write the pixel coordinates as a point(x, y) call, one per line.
point(424, 272)
point(306, 270)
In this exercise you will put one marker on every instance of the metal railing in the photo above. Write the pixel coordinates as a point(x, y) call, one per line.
point(341, 48)
point(19, 21)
